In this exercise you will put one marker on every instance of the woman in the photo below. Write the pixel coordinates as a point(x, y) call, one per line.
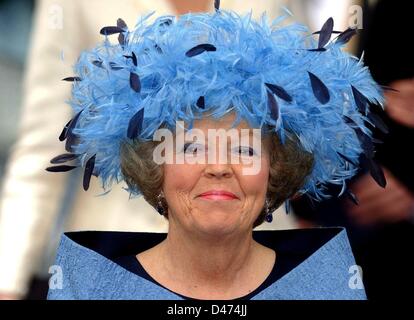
point(216, 71)
point(61, 29)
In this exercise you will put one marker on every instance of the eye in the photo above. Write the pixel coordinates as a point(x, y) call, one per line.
point(246, 151)
point(193, 148)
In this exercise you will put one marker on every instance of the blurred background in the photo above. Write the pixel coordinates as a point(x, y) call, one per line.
point(39, 42)
point(15, 23)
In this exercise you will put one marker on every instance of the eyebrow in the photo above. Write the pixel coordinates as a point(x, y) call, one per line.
point(241, 134)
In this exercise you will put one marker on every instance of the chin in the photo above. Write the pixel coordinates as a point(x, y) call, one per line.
point(218, 224)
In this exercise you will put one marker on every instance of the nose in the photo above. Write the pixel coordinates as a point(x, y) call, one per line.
point(218, 170)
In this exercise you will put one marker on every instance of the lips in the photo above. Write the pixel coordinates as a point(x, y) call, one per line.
point(218, 195)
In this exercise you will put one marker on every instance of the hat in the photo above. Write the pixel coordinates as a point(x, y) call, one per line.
point(275, 74)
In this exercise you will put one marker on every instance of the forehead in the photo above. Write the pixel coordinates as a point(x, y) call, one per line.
point(207, 123)
point(225, 122)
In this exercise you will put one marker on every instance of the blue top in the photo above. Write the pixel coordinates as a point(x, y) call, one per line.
point(285, 263)
point(312, 263)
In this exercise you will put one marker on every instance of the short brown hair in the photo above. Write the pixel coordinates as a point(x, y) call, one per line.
point(289, 167)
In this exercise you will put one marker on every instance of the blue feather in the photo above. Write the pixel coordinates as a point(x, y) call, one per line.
point(72, 79)
point(134, 58)
point(63, 158)
point(135, 82)
point(63, 135)
point(200, 49)
point(217, 4)
point(107, 31)
point(345, 36)
point(89, 167)
point(279, 91)
point(201, 102)
point(135, 124)
point(319, 89)
point(375, 170)
point(378, 122)
point(120, 23)
point(62, 168)
point(325, 33)
point(273, 106)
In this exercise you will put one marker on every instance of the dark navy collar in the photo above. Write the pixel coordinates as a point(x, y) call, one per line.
point(300, 243)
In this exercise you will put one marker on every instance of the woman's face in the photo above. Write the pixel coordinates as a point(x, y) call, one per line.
point(184, 183)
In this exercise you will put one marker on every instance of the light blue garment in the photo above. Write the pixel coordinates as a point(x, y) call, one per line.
point(328, 269)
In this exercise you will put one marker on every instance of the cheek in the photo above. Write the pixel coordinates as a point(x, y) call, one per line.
point(256, 185)
point(179, 178)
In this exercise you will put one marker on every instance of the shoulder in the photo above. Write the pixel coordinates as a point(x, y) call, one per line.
point(328, 273)
point(81, 272)
point(333, 272)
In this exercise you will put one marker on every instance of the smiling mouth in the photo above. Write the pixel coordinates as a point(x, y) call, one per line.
point(218, 195)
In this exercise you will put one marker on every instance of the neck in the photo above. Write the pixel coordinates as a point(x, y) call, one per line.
point(207, 261)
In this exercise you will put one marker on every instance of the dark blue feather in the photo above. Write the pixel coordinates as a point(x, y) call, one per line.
point(318, 50)
point(201, 102)
point(135, 124)
point(333, 31)
point(122, 39)
point(64, 132)
point(319, 89)
point(135, 82)
point(98, 63)
point(114, 66)
point(72, 79)
point(134, 58)
point(107, 31)
point(217, 4)
point(279, 91)
point(345, 36)
point(63, 158)
point(200, 49)
point(121, 24)
point(365, 142)
point(326, 33)
point(90, 165)
point(273, 106)
point(350, 121)
point(375, 170)
point(360, 100)
point(377, 173)
point(69, 126)
point(378, 122)
point(167, 22)
point(71, 140)
point(62, 168)
point(158, 48)
point(74, 121)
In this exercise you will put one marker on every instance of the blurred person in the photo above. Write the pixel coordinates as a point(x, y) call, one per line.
point(37, 206)
point(381, 226)
point(16, 15)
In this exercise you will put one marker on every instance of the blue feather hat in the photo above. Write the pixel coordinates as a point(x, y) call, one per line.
point(276, 75)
